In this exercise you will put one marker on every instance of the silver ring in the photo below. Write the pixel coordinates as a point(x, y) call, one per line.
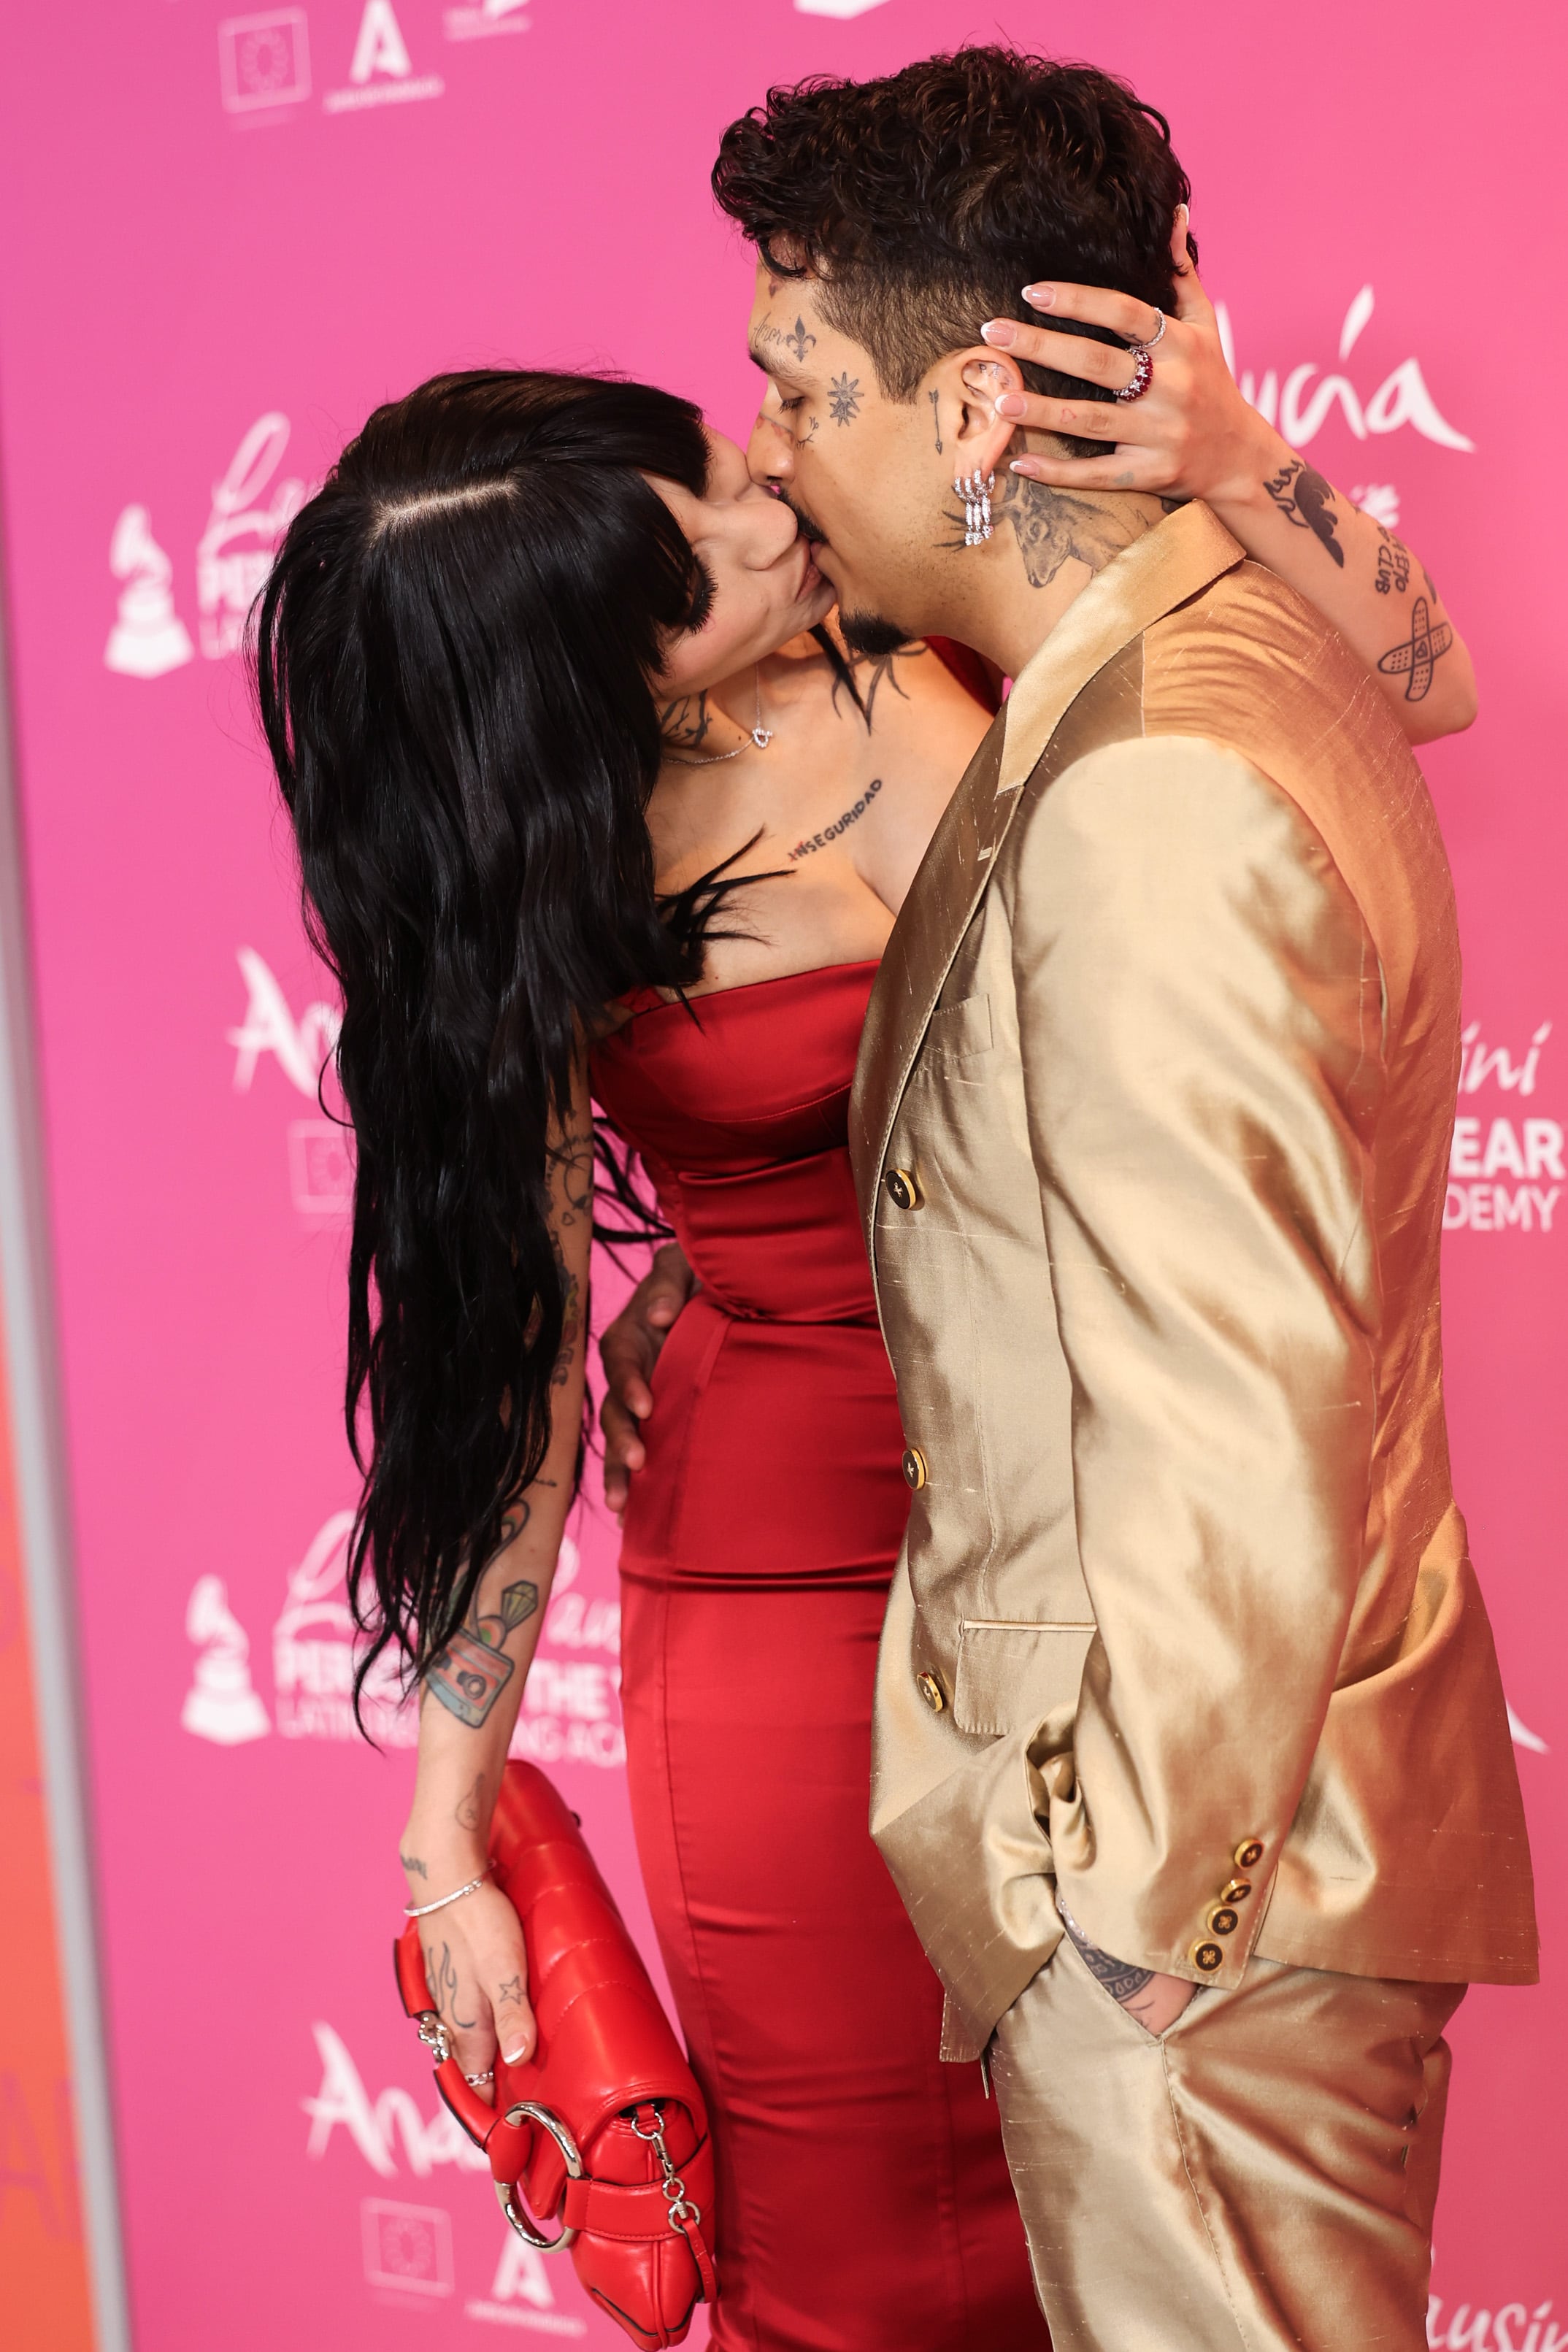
point(474, 2081)
point(1158, 336)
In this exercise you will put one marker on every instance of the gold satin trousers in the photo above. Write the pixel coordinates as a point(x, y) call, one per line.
point(1262, 2175)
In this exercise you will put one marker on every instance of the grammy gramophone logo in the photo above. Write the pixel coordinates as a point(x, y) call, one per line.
point(148, 636)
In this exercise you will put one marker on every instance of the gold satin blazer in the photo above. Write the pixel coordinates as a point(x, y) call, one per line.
point(1151, 1131)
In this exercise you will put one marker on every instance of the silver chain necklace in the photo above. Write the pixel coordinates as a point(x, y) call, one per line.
point(760, 737)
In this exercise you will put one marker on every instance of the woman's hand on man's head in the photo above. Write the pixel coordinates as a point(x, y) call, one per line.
point(1190, 435)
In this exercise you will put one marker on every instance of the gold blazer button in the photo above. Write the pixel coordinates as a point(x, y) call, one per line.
point(931, 1691)
point(1207, 1956)
point(903, 1188)
point(1222, 1920)
point(1235, 1890)
point(1248, 1853)
point(914, 1469)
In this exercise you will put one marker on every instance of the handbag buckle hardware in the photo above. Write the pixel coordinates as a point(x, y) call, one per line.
point(526, 2111)
point(682, 2209)
point(433, 2035)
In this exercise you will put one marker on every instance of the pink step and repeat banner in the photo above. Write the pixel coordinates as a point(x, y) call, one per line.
point(228, 237)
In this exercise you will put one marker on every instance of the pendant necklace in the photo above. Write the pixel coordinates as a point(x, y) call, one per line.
point(760, 737)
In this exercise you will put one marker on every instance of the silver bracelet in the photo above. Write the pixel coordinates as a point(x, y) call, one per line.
point(422, 1910)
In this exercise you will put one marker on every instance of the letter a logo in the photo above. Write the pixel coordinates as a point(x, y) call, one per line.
point(520, 2277)
point(381, 48)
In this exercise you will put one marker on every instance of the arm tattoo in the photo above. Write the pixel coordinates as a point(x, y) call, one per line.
point(1392, 564)
point(1418, 653)
point(935, 399)
point(843, 398)
point(473, 1669)
point(413, 1865)
point(1121, 1981)
point(571, 1320)
point(573, 1157)
point(685, 722)
point(1304, 498)
point(1054, 527)
point(840, 825)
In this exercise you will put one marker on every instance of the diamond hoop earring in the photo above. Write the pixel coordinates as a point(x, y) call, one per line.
point(975, 493)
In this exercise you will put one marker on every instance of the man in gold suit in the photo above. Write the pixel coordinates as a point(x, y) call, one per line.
point(1192, 1765)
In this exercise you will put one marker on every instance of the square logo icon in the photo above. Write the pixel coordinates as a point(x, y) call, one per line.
point(264, 60)
point(321, 1168)
point(407, 2246)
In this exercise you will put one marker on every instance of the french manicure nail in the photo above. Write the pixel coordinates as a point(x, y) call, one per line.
point(515, 2057)
point(1011, 404)
point(1040, 298)
point(1000, 332)
point(1020, 465)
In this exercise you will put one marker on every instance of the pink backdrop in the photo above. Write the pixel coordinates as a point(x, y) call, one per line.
point(229, 237)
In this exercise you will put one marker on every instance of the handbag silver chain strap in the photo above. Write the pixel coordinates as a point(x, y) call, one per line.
point(681, 2209)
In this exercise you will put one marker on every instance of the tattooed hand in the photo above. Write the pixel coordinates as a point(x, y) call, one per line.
point(1155, 2000)
point(476, 1971)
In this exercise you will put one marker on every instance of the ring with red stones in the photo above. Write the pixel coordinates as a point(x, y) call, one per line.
point(1143, 374)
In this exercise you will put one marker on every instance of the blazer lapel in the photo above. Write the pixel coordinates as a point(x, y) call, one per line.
point(1177, 559)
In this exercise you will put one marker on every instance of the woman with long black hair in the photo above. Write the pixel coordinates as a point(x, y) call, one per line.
point(590, 803)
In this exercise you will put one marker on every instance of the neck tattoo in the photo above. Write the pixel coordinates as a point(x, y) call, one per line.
point(760, 737)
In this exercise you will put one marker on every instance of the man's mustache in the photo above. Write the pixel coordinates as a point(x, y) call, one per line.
point(812, 533)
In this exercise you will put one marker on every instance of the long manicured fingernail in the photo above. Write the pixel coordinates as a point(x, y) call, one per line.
point(1040, 298)
point(1024, 465)
point(1002, 332)
point(1012, 403)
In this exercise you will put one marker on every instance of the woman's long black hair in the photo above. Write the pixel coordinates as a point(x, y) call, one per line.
point(452, 662)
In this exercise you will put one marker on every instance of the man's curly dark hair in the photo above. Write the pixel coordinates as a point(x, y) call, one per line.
point(926, 200)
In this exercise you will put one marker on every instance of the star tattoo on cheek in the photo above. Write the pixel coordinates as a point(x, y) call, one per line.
point(843, 399)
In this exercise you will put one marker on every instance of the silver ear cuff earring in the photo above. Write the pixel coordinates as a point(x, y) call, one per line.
point(976, 495)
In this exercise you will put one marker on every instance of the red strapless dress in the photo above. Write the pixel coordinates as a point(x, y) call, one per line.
point(864, 2201)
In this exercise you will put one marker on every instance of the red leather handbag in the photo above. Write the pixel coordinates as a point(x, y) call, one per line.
point(604, 2128)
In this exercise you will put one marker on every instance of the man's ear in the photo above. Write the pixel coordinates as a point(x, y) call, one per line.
point(972, 382)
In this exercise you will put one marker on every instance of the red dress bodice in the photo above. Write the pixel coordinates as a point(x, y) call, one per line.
point(739, 1107)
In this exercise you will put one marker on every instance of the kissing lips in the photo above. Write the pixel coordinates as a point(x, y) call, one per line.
point(810, 531)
